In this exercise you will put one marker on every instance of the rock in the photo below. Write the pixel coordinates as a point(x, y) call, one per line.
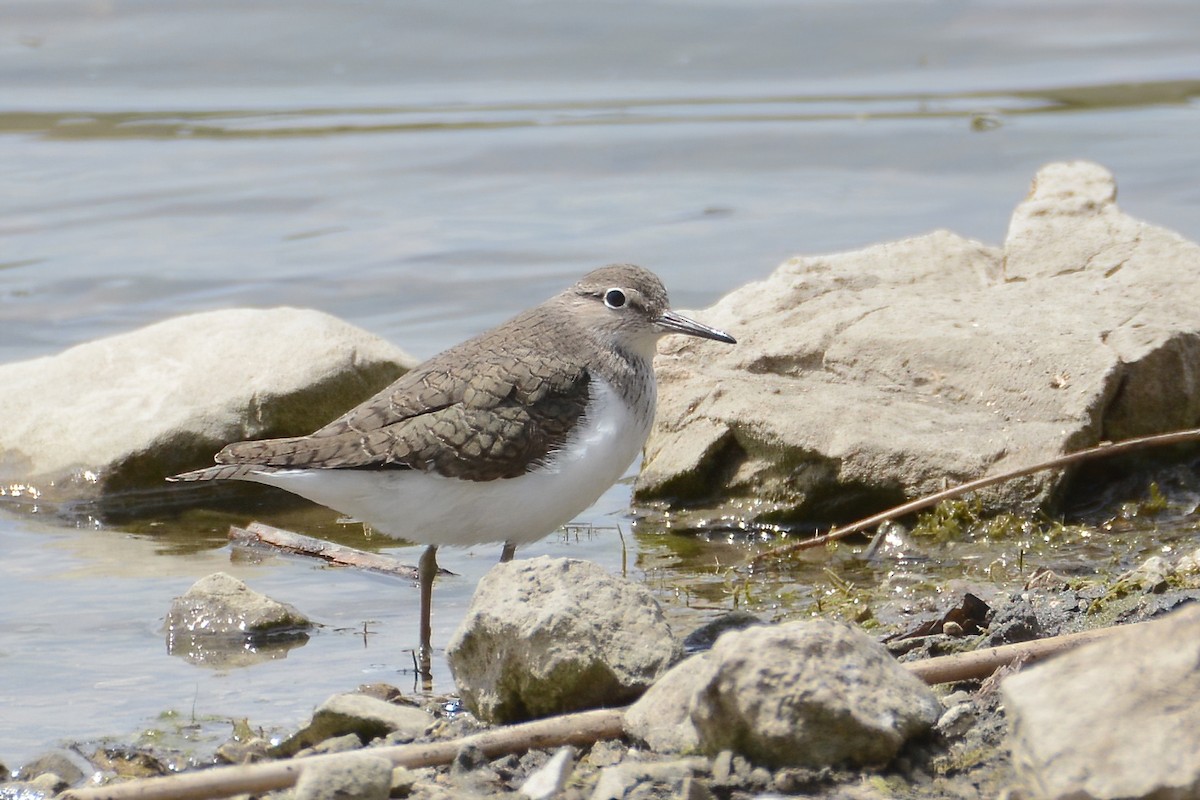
point(124, 412)
point(362, 715)
point(548, 636)
point(617, 782)
point(48, 784)
point(1152, 575)
point(956, 720)
point(220, 604)
point(661, 718)
point(67, 766)
point(469, 758)
point(1119, 718)
point(808, 694)
point(359, 776)
point(867, 377)
point(549, 780)
point(222, 622)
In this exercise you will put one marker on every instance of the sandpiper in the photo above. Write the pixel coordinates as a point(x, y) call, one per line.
point(503, 438)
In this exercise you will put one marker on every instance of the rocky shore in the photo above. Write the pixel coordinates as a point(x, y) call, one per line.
point(806, 708)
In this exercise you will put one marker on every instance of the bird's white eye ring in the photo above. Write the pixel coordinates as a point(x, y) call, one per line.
point(614, 298)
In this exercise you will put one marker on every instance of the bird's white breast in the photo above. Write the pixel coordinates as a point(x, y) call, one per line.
point(431, 509)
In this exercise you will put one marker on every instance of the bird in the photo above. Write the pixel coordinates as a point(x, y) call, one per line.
point(502, 438)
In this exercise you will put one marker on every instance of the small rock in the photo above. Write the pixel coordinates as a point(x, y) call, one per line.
point(220, 604)
point(549, 780)
point(548, 636)
point(359, 776)
point(1013, 623)
point(364, 716)
point(1151, 575)
point(468, 759)
point(616, 782)
point(799, 780)
point(337, 744)
point(722, 767)
point(403, 780)
point(956, 720)
point(661, 718)
point(1119, 718)
point(49, 784)
point(693, 788)
point(66, 765)
point(810, 693)
point(220, 622)
point(605, 754)
point(1189, 564)
point(243, 751)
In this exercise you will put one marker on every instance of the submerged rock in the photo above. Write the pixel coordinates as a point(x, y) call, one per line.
point(123, 412)
point(1119, 718)
point(551, 635)
point(220, 621)
point(867, 377)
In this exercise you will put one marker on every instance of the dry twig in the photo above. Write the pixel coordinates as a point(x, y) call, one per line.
point(575, 729)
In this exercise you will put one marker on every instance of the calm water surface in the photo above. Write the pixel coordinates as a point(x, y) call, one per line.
point(426, 171)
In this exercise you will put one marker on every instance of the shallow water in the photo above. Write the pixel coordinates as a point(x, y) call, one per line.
point(425, 172)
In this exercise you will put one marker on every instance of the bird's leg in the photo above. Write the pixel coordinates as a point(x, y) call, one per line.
point(426, 571)
point(508, 552)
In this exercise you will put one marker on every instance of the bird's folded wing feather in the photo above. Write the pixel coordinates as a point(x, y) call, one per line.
point(511, 412)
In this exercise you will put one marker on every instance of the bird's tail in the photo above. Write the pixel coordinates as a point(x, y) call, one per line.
point(220, 472)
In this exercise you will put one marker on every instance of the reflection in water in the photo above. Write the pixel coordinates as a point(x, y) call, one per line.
point(230, 651)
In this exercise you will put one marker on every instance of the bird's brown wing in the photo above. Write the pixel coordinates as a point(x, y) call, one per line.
point(489, 418)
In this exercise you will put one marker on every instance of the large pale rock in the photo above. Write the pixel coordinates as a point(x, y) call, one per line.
point(808, 694)
point(863, 378)
point(1118, 718)
point(551, 635)
point(124, 412)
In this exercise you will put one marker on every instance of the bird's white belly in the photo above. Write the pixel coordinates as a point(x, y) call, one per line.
point(431, 509)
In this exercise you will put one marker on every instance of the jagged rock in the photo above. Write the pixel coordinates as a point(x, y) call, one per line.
point(1119, 718)
point(362, 715)
point(124, 412)
point(547, 636)
point(807, 694)
point(866, 377)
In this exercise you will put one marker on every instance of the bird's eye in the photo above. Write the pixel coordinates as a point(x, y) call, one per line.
point(614, 298)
